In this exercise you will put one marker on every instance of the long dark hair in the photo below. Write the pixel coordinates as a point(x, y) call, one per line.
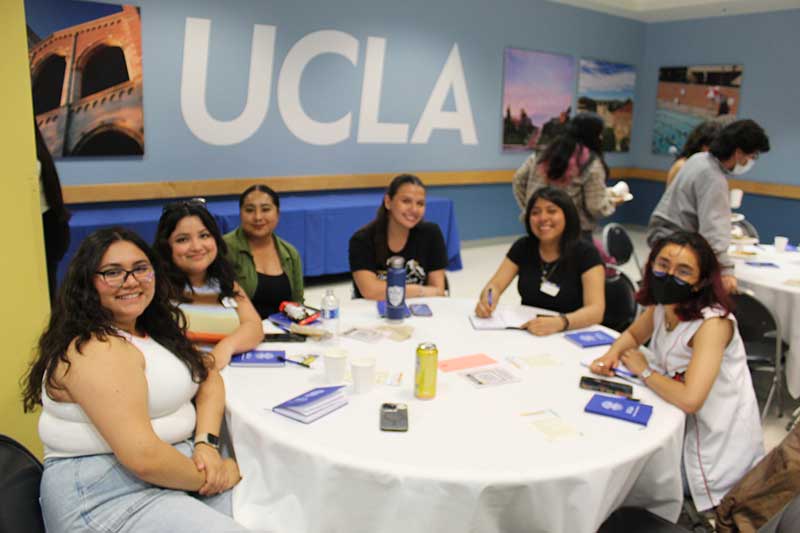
point(712, 293)
point(219, 270)
point(572, 227)
point(700, 136)
point(77, 315)
point(260, 187)
point(381, 220)
point(584, 129)
point(50, 184)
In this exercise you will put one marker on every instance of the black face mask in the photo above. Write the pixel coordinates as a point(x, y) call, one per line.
point(668, 289)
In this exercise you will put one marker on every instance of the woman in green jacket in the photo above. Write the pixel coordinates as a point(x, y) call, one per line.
point(268, 268)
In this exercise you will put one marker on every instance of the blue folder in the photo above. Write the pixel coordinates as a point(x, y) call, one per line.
point(619, 407)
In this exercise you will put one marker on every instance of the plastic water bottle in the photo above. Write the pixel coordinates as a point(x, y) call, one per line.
point(330, 312)
point(396, 289)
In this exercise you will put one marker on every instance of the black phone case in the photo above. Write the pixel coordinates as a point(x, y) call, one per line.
point(394, 419)
point(284, 337)
point(608, 387)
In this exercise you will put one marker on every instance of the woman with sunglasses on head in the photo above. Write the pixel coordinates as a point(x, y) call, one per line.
point(696, 362)
point(268, 268)
point(122, 391)
point(557, 269)
point(189, 243)
point(399, 230)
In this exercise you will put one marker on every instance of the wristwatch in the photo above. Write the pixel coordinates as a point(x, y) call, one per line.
point(646, 373)
point(207, 438)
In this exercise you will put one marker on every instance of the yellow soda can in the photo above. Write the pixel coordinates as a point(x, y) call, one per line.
point(425, 372)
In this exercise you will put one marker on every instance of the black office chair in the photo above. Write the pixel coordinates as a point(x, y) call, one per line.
point(786, 521)
point(621, 307)
point(637, 520)
point(618, 244)
point(20, 475)
point(761, 334)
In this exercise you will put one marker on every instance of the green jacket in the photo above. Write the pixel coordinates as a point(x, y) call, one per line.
point(241, 258)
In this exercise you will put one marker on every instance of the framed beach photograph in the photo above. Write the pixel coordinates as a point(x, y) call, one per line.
point(607, 89)
point(688, 96)
point(86, 76)
point(537, 97)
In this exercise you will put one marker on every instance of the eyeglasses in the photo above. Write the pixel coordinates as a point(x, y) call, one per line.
point(116, 277)
point(181, 204)
point(661, 274)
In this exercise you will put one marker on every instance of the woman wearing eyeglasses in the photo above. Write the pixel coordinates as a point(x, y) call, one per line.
point(268, 268)
point(189, 242)
point(122, 391)
point(696, 362)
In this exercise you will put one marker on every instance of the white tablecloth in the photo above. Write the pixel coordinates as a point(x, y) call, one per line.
point(769, 285)
point(469, 462)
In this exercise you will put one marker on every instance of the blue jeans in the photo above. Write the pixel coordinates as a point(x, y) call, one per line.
point(95, 493)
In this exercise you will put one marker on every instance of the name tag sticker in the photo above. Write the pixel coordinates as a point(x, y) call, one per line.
point(549, 288)
point(229, 303)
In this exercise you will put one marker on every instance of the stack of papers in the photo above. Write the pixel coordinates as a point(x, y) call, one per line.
point(489, 377)
point(259, 358)
point(313, 404)
point(508, 318)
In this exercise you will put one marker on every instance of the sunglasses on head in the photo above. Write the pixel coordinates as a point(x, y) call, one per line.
point(180, 204)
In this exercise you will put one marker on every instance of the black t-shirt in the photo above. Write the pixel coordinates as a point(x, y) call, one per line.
point(424, 252)
point(565, 273)
point(270, 292)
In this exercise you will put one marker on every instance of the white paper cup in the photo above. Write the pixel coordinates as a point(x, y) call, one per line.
point(621, 188)
point(780, 243)
point(736, 196)
point(335, 366)
point(363, 371)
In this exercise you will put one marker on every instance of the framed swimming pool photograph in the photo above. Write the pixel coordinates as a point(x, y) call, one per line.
point(607, 89)
point(537, 97)
point(688, 96)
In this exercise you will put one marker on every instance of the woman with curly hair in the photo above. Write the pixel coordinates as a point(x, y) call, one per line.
point(190, 244)
point(122, 391)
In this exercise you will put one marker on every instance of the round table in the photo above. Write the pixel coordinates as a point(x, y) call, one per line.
point(770, 286)
point(470, 461)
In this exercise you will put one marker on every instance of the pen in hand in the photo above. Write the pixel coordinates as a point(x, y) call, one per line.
point(489, 297)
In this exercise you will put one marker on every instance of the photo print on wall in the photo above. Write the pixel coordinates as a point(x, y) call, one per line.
point(607, 89)
point(86, 77)
point(688, 96)
point(537, 97)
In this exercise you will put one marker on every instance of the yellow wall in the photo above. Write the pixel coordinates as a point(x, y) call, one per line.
point(23, 279)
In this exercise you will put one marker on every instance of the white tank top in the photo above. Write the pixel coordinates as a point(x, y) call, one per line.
point(66, 431)
point(723, 440)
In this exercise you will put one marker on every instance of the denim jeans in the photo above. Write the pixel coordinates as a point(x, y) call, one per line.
point(95, 493)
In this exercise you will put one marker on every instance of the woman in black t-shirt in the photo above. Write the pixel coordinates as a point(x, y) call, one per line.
point(557, 270)
point(398, 229)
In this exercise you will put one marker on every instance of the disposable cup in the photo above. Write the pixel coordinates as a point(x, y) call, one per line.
point(736, 196)
point(780, 243)
point(363, 371)
point(335, 366)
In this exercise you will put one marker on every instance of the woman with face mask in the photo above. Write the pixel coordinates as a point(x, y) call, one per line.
point(698, 199)
point(696, 362)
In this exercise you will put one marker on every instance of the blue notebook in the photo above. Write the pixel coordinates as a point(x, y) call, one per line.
point(382, 309)
point(619, 407)
point(259, 358)
point(313, 404)
point(588, 339)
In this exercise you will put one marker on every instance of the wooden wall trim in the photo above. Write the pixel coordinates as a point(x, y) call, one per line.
point(118, 192)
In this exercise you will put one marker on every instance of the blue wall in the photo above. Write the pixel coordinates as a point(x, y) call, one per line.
point(419, 36)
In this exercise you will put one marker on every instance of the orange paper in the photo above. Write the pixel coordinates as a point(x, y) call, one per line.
point(467, 361)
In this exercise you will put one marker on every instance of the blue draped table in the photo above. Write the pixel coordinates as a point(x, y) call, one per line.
point(319, 225)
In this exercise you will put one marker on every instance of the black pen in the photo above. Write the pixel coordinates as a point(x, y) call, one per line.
point(293, 361)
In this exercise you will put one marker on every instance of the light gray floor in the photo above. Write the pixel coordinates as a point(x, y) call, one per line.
point(481, 259)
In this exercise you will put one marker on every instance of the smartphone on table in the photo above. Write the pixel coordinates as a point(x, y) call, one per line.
point(606, 386)
point(420, 310)
point(284, 337)
point(394, 417)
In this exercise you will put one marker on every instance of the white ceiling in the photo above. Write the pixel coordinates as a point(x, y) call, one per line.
point(665, 10)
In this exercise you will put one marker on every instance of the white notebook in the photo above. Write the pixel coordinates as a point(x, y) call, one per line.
point(509, 317)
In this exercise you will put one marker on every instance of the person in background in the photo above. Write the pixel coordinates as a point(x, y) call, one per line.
point(268, 268)
point(698, 141)
point(696, 362)
point(698, 200)
point(399, 229)
point(573, 161)
point(55, 217)
point(123, 391)
point(193, 251)
point(557, 269)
